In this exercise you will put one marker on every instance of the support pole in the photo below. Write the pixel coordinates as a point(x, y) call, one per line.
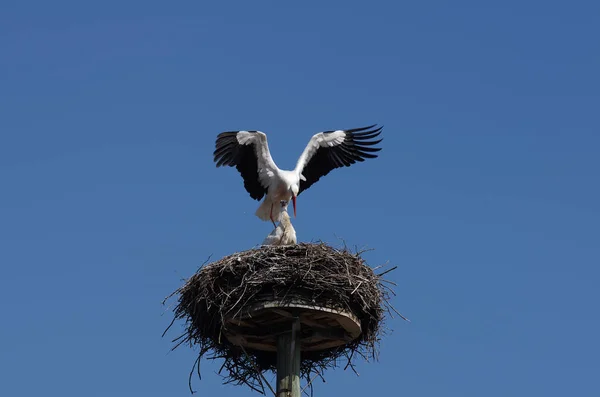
point(288, 362)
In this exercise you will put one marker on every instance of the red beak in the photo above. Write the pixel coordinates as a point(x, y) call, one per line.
point(294, 203)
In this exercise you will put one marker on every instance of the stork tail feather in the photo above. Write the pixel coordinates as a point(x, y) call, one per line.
point(264, 210)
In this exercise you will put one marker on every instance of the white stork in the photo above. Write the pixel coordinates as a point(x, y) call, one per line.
point(284, 233)
point(249, 152)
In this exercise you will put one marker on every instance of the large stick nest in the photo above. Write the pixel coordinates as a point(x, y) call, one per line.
point(320, 274)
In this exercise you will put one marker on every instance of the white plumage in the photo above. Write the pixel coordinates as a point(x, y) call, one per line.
point(284, 233)
point(248, 151)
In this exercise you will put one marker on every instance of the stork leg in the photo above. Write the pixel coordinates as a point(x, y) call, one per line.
point(271, 216)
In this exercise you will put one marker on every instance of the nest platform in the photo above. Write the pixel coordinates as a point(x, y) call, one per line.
point(321, 328)
point(235, 309)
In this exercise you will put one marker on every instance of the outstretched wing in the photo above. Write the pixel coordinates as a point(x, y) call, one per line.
point(333, 149)
point(248, 151)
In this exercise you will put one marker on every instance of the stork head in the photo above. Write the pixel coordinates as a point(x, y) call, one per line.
point(294, 190)
point(284, 217)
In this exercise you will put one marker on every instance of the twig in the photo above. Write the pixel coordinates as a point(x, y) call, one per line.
point(197, 362)
point(311, 380)
point(258, 371)
point(387, 271)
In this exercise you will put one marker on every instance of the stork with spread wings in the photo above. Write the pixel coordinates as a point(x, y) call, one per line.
point(248, 151)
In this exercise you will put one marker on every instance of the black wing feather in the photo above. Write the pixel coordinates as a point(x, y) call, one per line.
point(357, 146)
point(228, 152)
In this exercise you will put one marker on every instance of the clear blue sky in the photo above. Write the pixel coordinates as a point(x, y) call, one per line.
point(485, 195)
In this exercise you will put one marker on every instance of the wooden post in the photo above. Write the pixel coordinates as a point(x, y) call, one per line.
point(288, 362)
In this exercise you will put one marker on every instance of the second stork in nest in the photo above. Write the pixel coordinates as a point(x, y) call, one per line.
point(284, 233)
